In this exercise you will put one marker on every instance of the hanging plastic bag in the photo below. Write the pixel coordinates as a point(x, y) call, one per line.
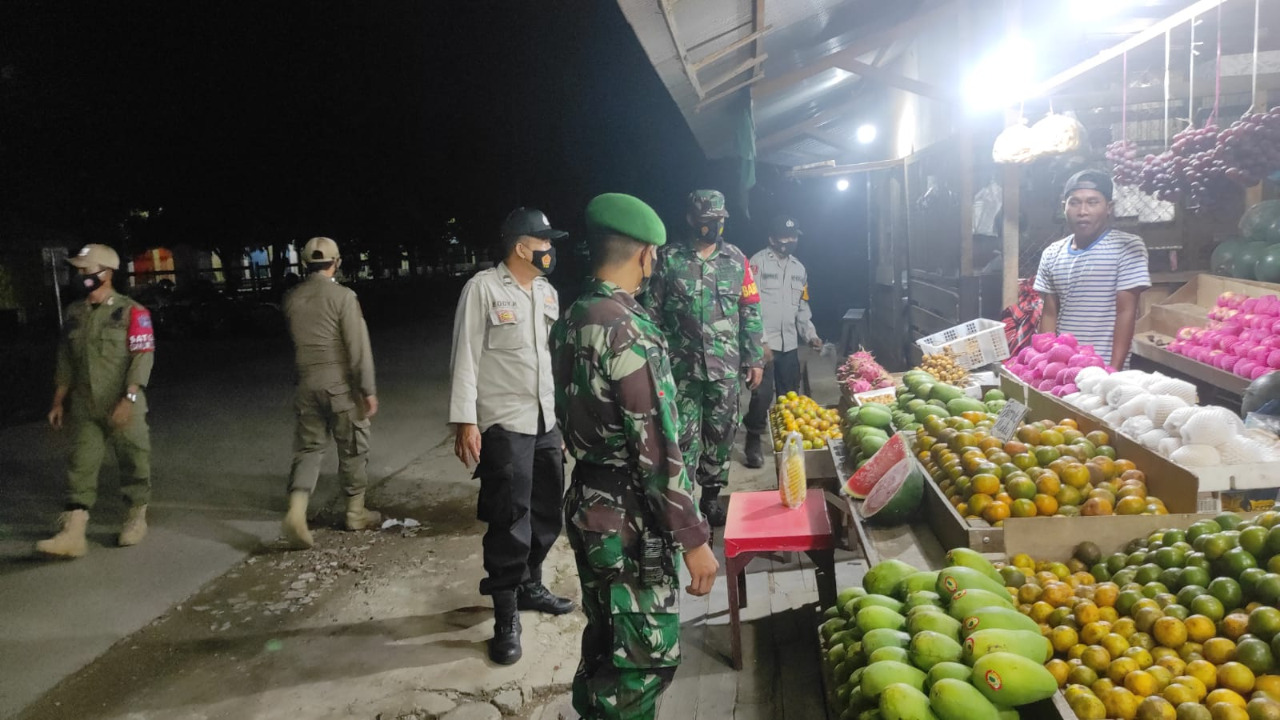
point(792, 484)
point(1013, 146)
point(1057, 135)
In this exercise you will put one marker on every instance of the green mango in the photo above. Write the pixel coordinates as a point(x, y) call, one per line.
point(881, 675)
point(883, 577)
point(997, 618)
point(944, 670)
point(901, 701)
point(964, 405)
point(916, 582)
point(929, 648)
point(1031, 645)
point(958, 577)
point(970, 558)
point(953, 699)
point(895, 654)
point(934, 622)
point(875, 617)
point(847, 594)
point(1010, 680)
point(831, 627)
point(964, 602)
point(922, 597)
point(883, 601)
point(884, 637)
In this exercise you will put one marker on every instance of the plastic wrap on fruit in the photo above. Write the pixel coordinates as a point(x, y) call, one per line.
point(792, 483)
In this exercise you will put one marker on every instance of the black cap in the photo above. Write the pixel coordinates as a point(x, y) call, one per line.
point(531, 222)
point(784, 226)
point(1089, 180)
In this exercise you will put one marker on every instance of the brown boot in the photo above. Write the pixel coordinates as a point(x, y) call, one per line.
point(294, 526)
point(135, 526)
point(70, 541)
point(358, 518)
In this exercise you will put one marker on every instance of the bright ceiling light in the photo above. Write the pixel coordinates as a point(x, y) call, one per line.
point(867, 134)
point(1003, 78)
point(842, 184)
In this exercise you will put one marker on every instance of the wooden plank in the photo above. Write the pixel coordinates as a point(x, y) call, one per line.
point(741, 68)
point(941, 301)
point(735, 45)
point(726, 93)
point(1148, 345)
point(925, 323)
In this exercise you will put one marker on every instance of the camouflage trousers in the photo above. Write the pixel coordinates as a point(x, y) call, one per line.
point(631, 645)
point(709, 418)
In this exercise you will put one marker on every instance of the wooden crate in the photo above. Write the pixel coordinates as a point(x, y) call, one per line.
point(1057, 539)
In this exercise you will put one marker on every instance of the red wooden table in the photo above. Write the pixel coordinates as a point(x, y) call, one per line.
point(758, 524)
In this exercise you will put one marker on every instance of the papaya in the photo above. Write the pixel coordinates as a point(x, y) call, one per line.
point(923, 412)
point(871, 444)
point(895, 654)
point(922, 597)
point(965, 602)
point(928, 648)
point(965, 404)
point(881, 675)
point(830, 628)
point(875, 416)
point(884, 637)
point(1010, 680)
point(883, 577)
point(945, 670)
point(901, 701)
point(857, 432)
point(1031, 645)
point(873, 599)
point(970, 558)
point(958, 577)
point(945, 392)
point(953, 699)
point(997, 618)
point(934, 622)
point(875, 617)
point(847, 594)
point(925, 580)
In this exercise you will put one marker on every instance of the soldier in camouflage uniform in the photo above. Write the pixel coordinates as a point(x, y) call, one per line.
point(706, 301)
point(630, 506)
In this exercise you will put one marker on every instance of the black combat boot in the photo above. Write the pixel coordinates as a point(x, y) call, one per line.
point(535, 596)
point(504, 648)
point(710, 506)
point(755, 458)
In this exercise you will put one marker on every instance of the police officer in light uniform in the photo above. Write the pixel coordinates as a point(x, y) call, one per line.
point(784, 305)
point(335, 394)
point(502, 406)
point(104, 364)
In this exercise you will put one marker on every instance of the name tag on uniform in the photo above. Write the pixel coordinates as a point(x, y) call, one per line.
point(551, 306)
point(503, 312)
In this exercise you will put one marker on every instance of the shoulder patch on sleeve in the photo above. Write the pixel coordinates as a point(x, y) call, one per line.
point(142, 336)
point(750, 293)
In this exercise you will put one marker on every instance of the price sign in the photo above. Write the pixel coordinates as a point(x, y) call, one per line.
point(1008, 420)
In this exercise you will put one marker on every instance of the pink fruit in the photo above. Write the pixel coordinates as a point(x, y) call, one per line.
point(1186, 333)
point(1061, 354)
point(1033, 358)
point(1224, 300)
point(1067, 339)
point(1259, 353)
point(1244, 368)
point(1259, 371)
point(1040, 364)
point(1052, 369)
point(1042, 341)
point(1081, 361)
point(1273, 359)
point(1250, 305)
point(1024, 356)
point(1069, 389)
point(1045, 385)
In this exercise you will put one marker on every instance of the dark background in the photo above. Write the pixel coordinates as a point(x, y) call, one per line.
point(371, 122)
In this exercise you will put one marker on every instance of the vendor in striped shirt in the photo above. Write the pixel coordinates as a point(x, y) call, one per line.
point(1092, 279)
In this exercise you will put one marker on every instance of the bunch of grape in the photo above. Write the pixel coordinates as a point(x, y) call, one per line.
point(1126, 167)
point(1192, 169)
point(1251, 147)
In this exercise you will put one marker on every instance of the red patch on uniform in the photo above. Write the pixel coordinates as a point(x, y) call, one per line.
point(142, 337)
point(750, 293)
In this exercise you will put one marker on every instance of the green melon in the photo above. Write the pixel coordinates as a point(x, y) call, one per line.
point(1246, 260)
point(1261, 223)
point(1267, 268)
point(1224, 256)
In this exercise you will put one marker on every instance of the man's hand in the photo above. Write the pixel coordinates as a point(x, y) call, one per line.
point(768, 355)
point(121, 414)
point(754, 377)
point(466, 443)
point(702, 566)
point(370, 406)
point(816, 343)
point(55, 417)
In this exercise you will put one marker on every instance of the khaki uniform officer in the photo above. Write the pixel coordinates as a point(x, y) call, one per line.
point(104, 362)
point(335, 395)
point(502, 406)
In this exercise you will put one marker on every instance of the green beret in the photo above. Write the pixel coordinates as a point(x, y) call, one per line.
point(618, 214)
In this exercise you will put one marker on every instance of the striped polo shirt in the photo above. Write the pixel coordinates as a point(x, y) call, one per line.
point(1086, 282)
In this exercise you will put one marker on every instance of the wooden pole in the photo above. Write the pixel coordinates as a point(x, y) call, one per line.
point(1010, 231)
point(965, 148)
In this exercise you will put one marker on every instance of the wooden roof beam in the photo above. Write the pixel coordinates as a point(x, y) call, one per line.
point(893, 79)
point(689, 71)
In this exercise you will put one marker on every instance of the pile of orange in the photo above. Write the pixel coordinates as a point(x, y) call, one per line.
point(1046, 469)
point(799, 413)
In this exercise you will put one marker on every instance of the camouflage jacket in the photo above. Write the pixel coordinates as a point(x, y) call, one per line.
point(709, 310)
point(616, 403)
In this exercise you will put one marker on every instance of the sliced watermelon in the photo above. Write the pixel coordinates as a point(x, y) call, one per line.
point(896, 497)
point(890, 453)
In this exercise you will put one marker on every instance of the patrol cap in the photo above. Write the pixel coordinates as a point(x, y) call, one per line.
point(619, 214)
point(1089, 180)
point(784, 226)
point(707, 204)
point(94, 255)
point(531, 222)
point(319, 250)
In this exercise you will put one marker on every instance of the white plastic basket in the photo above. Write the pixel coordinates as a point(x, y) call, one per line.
point(975, 343)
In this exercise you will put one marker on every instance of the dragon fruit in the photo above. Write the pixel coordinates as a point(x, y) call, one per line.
point(860, 373)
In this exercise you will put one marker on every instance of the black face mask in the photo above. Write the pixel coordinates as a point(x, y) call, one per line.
point(710, 230)
point(544, 261)
point(783, 248)
point(91, 282)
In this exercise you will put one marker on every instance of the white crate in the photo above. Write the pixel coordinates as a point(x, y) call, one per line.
point(975, 343)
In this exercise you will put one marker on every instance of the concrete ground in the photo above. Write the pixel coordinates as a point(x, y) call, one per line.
point(206, 620)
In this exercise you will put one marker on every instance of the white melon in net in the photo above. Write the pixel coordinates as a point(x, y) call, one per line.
point(1123, 394)
point(1133, 377)
point(1211, 425)
point(1196, 456)
point(1177, 388)
point(1151, 438)
point(1240, 450)
point(1088, 379)
point(1137, 425)
point(1108, 384)
point(1173, 424)
point(1113, 418)
point(1159, 407)
point(1137, 406)
point(1091, 403)
point(1168, 445)
point(1150, 379)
